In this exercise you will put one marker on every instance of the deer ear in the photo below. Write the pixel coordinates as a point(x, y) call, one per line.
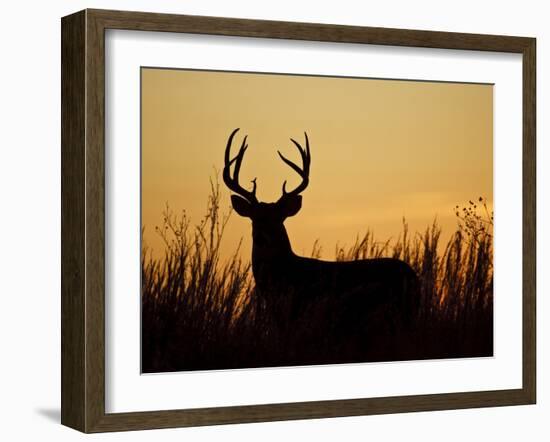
point(291, 205)
point(241, 206)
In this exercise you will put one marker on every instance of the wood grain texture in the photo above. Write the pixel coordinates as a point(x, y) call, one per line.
point(83, 218)
point(95, 222)
point(145, 21)
point(73, 349)
point(529, 220)
point(307, 410)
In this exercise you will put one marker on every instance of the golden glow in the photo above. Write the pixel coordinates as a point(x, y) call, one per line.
point(381, 150)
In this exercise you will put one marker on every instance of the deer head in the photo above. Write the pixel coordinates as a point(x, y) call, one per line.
point(268, 232)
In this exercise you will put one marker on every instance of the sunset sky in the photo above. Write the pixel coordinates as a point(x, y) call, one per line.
point(381, 150)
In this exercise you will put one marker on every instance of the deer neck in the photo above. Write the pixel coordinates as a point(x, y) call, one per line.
point(271, 250)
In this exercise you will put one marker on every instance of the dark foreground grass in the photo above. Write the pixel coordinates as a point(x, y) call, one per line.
point(199, 313)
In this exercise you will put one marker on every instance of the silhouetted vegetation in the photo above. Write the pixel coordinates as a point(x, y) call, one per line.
point(201, 313)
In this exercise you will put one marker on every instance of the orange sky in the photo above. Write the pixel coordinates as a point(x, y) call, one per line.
point(381, 150)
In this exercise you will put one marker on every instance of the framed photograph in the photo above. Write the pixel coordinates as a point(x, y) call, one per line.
point(267, 220)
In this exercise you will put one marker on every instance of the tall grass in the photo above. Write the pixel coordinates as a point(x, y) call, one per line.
point(201, 313)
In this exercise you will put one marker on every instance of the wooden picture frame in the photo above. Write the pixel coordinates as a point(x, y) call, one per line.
point(83, 220)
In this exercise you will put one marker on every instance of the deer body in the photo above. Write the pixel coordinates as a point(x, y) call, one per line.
point(275, 264)
point(278, 271)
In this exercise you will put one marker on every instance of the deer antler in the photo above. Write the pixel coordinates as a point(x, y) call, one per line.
point(303, 172)
point(232, 182)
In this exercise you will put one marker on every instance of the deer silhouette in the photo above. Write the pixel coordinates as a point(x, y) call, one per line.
point(361, 285)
